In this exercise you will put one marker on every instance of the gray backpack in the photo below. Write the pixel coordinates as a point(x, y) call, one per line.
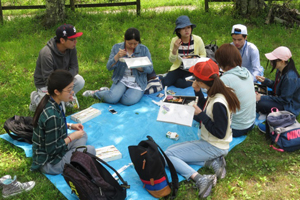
point(284, 130)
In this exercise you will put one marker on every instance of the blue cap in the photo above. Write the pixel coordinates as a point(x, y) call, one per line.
point(183, 21)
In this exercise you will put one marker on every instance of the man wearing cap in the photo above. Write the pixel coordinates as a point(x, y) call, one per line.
point(59, 53)
point(249, 52)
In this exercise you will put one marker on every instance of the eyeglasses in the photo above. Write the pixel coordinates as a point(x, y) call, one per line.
point(69, 91)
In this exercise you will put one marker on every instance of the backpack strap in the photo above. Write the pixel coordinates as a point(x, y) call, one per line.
point(277, 149)
point(171, 167)
point(125, 184)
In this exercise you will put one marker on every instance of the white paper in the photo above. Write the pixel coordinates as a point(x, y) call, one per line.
point(189, 62)
point(137, 62)
point(176, 113)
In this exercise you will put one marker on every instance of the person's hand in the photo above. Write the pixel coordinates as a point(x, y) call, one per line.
point(177, 44)
point(120, 54)
point(140, 69)
point(196, 86)
point(76, 135)
point(77, 127)
point(260, 78)
point(258, 96)
point(197, 109)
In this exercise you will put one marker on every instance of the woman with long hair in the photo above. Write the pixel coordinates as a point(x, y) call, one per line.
point(52, 147)
point(286, 87)
point(128, 84)
point(216, 133)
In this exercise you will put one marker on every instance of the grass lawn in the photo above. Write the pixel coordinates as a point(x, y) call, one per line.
point(254, 171)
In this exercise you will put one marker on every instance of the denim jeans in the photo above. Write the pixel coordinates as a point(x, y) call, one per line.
point(48, 168)
point(120, 93)
point(177, 78)
point(238, 133)
point(264, 106)
point(192, 153)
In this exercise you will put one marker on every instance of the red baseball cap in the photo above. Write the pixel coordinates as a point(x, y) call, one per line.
point(67, 30)
point(204, 70)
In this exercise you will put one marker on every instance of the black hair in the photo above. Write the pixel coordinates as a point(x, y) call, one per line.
point(132, 33)
point(57, 39)
point(178, 30)
point(290, 66)
point(58, 80)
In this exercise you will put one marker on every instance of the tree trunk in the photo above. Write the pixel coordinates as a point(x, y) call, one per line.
point(55, 12)
point(249, 7)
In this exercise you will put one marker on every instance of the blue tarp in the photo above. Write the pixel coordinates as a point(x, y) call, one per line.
point(128, 127)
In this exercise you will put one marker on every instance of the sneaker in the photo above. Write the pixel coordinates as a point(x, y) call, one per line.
point(103, 89)
point(34, 97)
point(218, 165)
point(2, 179)
point(32, 107)
point(33, 101)
point(89, 93)
point(13, 187)
point(262, 117)
point(204, 184)
point(262, 127)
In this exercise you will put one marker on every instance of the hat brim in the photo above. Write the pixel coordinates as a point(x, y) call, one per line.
point(180, 27)
point(76, 35)
point(191, 69)
point(270, 56)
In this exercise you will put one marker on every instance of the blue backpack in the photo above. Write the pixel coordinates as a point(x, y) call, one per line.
point(284, 130)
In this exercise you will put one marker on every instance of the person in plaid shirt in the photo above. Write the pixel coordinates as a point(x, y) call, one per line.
point(52, 147)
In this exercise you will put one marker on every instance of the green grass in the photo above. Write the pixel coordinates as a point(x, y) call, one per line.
point(254, 171)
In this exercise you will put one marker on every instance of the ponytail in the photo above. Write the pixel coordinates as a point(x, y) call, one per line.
point(39, 109)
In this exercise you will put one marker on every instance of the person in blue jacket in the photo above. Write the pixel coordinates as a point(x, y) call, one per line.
point(128, 84)
point(286, 86)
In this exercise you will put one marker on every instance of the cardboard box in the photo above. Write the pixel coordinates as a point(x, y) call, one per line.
point(85, 115)
point(108, 153)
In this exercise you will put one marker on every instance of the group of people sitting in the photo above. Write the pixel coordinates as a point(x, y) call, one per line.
point(228, 111)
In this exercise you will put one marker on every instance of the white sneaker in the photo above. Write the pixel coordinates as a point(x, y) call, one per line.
point(33, 101)
point(2, 179)
point(262, 116)
point(14, 187)
point(89, 93)
point(103, 89)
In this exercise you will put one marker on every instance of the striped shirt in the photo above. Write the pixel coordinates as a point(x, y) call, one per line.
point(186, 49)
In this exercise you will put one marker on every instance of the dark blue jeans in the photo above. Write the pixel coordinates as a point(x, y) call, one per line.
point(238, 133)
point(264, 106)
point(177, 78)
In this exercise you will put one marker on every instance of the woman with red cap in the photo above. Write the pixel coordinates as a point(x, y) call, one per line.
point(286, 86)
point(216, 133)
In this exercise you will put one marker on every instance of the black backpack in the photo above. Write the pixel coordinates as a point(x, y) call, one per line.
point(89, 180)
point(211, 50)
point(149, 162)
point(22, 128)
